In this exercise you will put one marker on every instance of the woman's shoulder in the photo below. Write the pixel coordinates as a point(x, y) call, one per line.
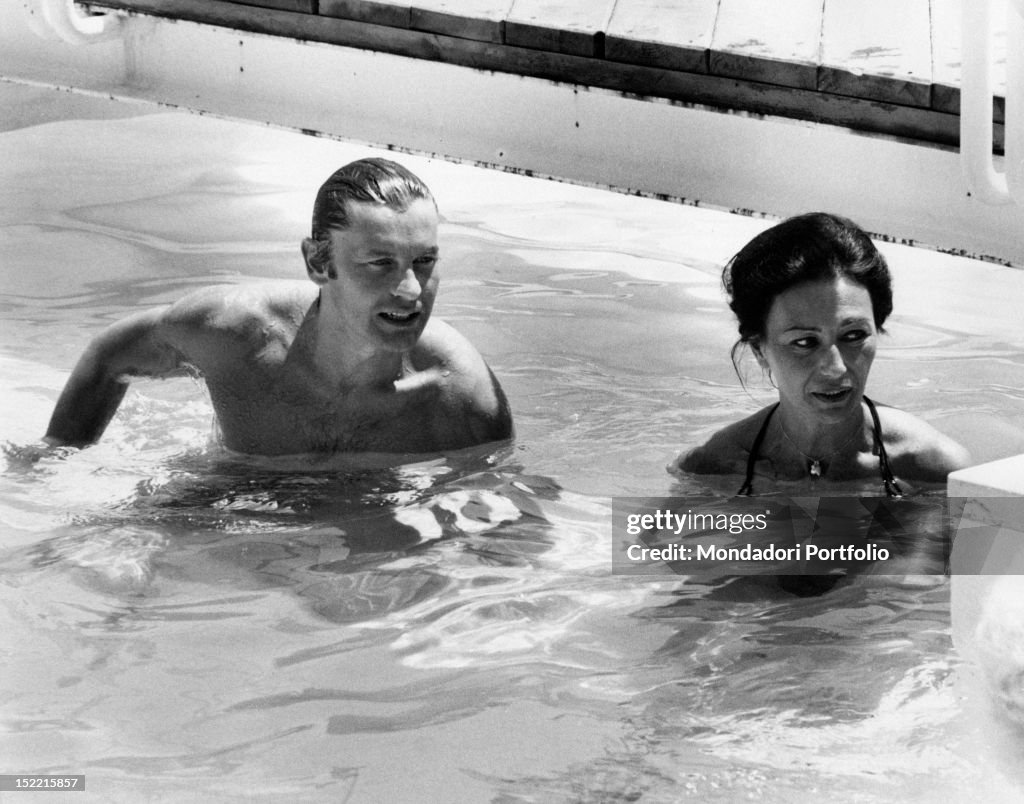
point(916, 449)
point(726, 451)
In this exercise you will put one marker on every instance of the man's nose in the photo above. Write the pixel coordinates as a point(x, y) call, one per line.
point(409, 287)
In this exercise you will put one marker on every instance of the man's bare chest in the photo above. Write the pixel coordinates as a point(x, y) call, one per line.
point(281, 420)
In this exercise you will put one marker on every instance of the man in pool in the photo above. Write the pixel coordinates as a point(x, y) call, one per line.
point(351, 362)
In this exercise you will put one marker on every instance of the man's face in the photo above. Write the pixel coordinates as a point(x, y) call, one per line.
point(384, 279)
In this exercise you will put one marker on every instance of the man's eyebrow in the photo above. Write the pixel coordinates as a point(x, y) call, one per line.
point(385, 250)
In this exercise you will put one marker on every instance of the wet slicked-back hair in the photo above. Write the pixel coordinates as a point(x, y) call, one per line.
point(374, 181)
point(804, 248)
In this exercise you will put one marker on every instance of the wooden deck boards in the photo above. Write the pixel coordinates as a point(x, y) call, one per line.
point(811, 59)
point(483, 20)
point(560, 26)
point(770, 42)
point(946, 56)
point(877, 49)
point(389, 13)
point(945, 36)
point(671, 34)
point(303, 6)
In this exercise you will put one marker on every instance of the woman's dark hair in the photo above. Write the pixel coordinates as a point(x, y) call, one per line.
point(801, 249)
point(374, 181)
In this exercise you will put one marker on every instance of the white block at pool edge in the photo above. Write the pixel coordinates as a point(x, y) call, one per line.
point(987, 595)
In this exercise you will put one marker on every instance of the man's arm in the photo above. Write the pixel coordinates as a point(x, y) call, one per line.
point(493, 421)
point(133, 347)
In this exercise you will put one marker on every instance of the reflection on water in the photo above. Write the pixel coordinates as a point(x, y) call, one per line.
point(190, 625)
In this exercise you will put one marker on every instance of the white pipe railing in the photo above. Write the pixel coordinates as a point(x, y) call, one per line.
point(1014, 137)
point(62, 19)
point(983, 180)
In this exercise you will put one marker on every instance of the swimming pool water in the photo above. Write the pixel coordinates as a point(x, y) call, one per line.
point(183, 624)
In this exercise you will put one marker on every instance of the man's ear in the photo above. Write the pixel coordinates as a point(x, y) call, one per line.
point(317, 254)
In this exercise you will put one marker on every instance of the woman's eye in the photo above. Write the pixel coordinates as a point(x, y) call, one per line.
point(805, 343)
point(855, 335)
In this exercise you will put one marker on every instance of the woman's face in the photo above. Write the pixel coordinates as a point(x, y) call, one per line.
point(819, 343)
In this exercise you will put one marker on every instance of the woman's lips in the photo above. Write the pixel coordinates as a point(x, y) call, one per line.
point(833, 396)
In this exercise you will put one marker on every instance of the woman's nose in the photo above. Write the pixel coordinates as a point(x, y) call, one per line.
point(832, 363)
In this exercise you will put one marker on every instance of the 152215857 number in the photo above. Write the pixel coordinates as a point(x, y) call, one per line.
point(27, 782)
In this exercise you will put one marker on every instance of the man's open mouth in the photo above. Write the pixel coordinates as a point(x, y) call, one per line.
point(400, 318)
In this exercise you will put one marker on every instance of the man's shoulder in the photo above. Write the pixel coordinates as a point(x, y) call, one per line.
point(442, 344)
point(237, 308)
point(468, 383)
point(221, 327)
point(465, 371)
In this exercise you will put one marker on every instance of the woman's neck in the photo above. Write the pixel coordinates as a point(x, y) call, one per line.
point(818, 445)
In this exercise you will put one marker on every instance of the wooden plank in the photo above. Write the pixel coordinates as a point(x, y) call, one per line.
point(673, 34)
point(877, 49)
point(394, 13)
point(559, 26)
point(483, 20)
point(947, 57)
point(776, 43)
point(302, 6)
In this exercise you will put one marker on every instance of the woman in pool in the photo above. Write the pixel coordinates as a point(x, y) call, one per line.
point(811, 295)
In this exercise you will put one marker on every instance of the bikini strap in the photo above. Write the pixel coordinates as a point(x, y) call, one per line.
point(747, 488)
point(892, 488)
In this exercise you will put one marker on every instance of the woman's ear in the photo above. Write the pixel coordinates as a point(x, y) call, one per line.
point(317, 254)
point(755, 347)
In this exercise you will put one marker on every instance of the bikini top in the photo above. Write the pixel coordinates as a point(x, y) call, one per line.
point(892, 488)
